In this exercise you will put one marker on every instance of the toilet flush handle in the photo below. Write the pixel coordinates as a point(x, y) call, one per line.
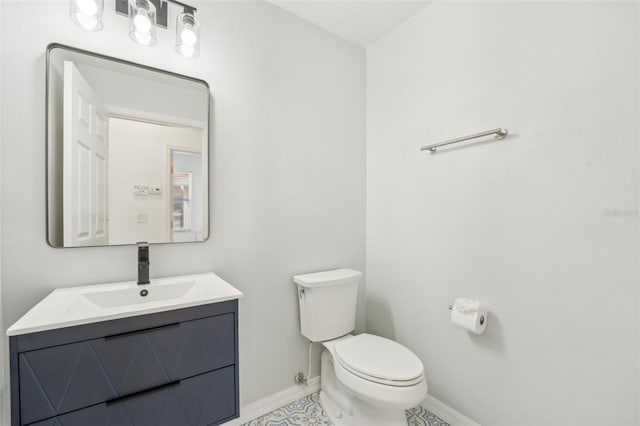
point(301, 293)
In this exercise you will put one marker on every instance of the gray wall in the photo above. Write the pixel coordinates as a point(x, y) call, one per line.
point(288, 167)
point(542, 227)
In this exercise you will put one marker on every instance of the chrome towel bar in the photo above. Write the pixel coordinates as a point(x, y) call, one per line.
point(499, 134)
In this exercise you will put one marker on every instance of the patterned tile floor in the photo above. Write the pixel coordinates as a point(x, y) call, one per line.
point(307, 411)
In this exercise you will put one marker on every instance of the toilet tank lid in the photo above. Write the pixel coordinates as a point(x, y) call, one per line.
point(327, 278)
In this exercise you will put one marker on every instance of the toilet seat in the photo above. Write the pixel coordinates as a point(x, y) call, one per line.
point(379, 360)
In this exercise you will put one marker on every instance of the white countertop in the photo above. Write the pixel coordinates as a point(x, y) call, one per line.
point(73, 306)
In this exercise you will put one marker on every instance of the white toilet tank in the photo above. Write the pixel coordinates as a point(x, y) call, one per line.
point(327, 303)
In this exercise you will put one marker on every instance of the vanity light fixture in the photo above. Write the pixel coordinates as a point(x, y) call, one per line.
point(87, 13)
point(145, 16)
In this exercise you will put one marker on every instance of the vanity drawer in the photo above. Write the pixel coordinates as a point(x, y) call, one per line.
point(60, 379)
point(206, 399)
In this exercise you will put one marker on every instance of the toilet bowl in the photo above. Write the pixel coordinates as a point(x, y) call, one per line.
point(370, 380)
point(366, 380)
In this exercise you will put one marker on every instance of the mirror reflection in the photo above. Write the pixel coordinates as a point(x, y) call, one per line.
point(127, 152)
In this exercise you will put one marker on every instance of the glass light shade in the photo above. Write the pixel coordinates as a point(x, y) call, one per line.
point(87, 13)
point(142, 14)
point(188, 35)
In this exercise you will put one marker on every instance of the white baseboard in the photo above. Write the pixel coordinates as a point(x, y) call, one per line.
point(275, 401)
point(446, 413)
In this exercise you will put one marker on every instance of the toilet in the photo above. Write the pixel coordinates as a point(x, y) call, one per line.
point(365, 380)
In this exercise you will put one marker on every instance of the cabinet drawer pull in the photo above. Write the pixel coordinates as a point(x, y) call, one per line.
point(142, 393)
point(146, 330)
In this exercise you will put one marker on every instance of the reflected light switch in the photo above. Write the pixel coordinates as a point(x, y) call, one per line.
point(141, 189)
point(142, 218)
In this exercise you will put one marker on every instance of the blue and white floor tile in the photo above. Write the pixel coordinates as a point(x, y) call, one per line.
point(308, 411)
point(419, 416)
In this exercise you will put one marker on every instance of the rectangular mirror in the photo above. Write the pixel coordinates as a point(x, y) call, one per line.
point(127, 152)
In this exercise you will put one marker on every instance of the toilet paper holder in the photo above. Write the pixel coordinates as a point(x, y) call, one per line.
point(481, 316)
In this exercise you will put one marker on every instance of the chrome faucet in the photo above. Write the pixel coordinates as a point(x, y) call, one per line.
point(143, 263)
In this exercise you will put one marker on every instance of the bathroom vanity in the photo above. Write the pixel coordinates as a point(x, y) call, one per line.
point(107, 355)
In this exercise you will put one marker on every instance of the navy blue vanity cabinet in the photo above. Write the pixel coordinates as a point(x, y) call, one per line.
point(175, 368)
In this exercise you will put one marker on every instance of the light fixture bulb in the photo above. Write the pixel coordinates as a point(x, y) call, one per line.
point(144, 39)
point(187, 51)
point(142, 22)
point(142, 15)
point(87, 22)
point(188, 36)
point(87, 7)
point(87, 13)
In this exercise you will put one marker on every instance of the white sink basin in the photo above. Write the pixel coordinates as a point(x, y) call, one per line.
point(114, 298)
point(72, 306)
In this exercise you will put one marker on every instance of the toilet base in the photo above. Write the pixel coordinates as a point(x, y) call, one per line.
point(362, 415)
point(346, 409)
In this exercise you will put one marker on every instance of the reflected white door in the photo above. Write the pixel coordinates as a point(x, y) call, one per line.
point(85, 163)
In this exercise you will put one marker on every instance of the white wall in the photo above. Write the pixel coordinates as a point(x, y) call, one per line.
point(542, 227)
point(138, 155)
point(287, 161)
point(4, 367)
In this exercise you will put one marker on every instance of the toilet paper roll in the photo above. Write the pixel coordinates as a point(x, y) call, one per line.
point(475, 322)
